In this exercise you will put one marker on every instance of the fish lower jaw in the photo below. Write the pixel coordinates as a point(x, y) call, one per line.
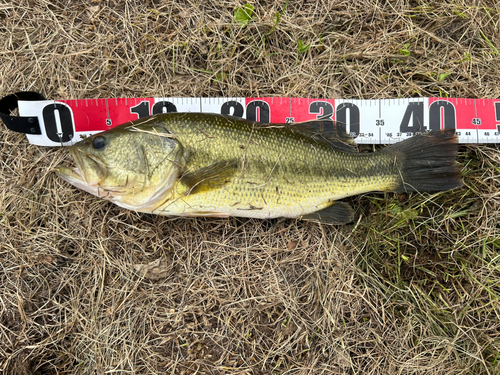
point(71, 175)
point(149, 200)
point(74, 176)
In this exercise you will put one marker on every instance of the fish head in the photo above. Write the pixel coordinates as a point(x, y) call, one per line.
point(134, 165)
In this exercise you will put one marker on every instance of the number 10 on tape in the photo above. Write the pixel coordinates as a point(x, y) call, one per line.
point(375, 121)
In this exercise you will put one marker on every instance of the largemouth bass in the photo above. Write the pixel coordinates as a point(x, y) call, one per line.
point(193, 164)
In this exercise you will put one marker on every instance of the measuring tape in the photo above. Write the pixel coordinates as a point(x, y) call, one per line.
point(374, 121)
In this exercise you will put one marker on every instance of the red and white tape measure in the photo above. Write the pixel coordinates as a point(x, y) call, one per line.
point(376, 121)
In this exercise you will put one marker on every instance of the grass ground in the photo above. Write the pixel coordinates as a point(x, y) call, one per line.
point(412, 287)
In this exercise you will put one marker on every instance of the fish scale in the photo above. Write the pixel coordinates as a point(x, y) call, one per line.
point(281, 173)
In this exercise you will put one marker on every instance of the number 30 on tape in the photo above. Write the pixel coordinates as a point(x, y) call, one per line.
point(377, 121)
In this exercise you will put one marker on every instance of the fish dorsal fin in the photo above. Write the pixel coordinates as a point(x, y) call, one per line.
point(323, 130)
point(336, 214)
point(327, 132)
point(209, 177)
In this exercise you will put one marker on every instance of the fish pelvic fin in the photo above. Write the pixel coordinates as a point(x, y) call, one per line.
point(427, 162)
point(336, 214)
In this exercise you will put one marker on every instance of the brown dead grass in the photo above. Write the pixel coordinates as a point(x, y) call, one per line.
point(411, 288)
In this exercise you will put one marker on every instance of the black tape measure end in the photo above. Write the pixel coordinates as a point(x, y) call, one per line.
point(26, 125)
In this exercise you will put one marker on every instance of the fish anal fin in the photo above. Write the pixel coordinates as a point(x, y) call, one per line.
point(212, 176)
point(336, 214)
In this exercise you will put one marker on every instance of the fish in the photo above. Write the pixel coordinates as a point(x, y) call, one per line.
point(200, 164)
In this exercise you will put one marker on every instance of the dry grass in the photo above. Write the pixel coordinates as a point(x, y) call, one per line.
point(411, 288)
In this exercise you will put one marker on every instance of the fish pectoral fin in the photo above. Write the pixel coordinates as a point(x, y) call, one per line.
point(327, 132)
point(210, 177)
point(337, 213)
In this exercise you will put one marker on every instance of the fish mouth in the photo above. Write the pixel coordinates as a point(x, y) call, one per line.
point(75, 176)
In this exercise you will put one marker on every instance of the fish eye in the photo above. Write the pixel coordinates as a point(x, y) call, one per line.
point(98, 143)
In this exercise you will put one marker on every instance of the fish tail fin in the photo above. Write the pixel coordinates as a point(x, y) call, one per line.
point(427, 162)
